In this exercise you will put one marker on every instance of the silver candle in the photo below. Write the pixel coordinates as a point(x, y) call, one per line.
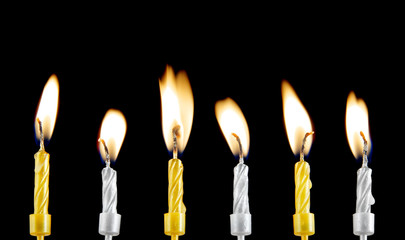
point(110, 220)
point(236, 132)
point(363, 219)
point(241, 220)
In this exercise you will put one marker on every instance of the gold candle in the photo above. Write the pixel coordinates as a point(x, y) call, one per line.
point(302, 186)
point(40, 221)
point(304, 223)
point(299, 132)
point(176, 186)
point(41, 191)
point(177, 117)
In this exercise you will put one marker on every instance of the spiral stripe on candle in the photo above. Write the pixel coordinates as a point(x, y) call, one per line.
point(302, 187)
point(176, 186)
point(41, 191)
point(240, 186)
point(364, 198)
point(109, 177)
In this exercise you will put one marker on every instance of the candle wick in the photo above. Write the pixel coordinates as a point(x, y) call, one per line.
point(303, 145)
point(176, 134)
point(240, 147)
point(365, 150)
point(107, 154)
point(41, 135)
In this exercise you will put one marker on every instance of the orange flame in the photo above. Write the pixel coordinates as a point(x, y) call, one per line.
point(177, 107)
point(48, 108)
point(296, 119)
point(232, 121)
point(356, 122)
point(112, 131)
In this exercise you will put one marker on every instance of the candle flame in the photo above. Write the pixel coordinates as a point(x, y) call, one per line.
point(357, 123)
point(47, 109)
point(296, 119)
point(232, 122)
point(177, 108)
point(112, 132)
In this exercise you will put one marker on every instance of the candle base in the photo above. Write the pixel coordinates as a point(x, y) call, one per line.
point(304, 224)
point(109, 224)
point(175, 224)
point(40, 225)
point(363, 237)
point(241, 224)
point(363, 224)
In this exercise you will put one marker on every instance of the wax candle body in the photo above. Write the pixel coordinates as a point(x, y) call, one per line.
point(110, 220)
point(363, 219)
point(109, 177)
point(364, 198)
point(240, 189)
point(176, 186)
point(40, 221)
point(304, 224)
point(175, 218)
point(241, 223)
point(302, 187)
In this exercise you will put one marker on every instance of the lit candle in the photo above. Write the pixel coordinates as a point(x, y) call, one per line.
point(235, 129)
point(299, 132)
point(358, 136)
point(177, 118)
point(111, 137)
point(40, 221)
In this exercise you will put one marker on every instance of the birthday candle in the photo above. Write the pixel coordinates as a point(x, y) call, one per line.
point(177, 118)
point(299, 132)
point(235, 129)
point(112, 133)
point(358, 136)
point(40, 221)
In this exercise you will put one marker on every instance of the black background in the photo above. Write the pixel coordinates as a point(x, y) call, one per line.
point(105, 63)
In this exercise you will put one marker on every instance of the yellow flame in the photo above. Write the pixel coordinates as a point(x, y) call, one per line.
point(48, 108)
point(112, 131)
point(356, 121)
point(177, 107)
point(231, 120)
point(296, 119)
